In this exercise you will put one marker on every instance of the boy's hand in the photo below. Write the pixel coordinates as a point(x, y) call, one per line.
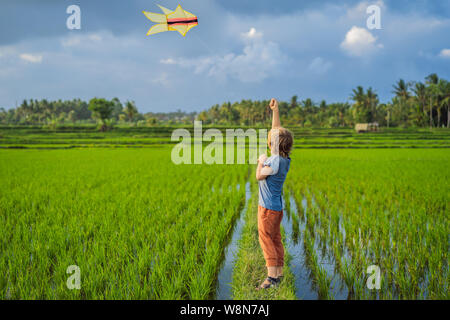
point(262, 158)
point(273, 104)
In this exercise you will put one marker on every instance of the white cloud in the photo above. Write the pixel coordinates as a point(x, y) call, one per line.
point(71, 41)
point(252, 34)
point(77, 40)
point(359, 42)
point(162, 79)
point(358, 12)
point(445, 53)
point(6, 51)
point(95, 37)
point(257, 62)
point(33, 58)
point(167, 61)
point(319, 65)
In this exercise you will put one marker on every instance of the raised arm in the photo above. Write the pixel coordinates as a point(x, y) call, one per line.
point(276, 114)
point(263, 171)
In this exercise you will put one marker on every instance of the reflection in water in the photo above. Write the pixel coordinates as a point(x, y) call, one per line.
point(223, 290)
point(294, 224)
point(294, 244)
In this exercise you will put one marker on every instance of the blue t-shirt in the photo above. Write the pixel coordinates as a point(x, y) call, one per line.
point(270, 189)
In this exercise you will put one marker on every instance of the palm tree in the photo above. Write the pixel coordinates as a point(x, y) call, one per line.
point(388, 112)
point(358, 95)
point(441, 91)
point(339, 110)
point(308, 107)
point(294, 102)
point(445, 101)
point(432, 81)
point(359, 98)
point(308, 104)
point(130, 110)
point(420, 96)
point(372, 101)
point(401, 91)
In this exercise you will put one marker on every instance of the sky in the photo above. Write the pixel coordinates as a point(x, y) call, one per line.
point(241, 49)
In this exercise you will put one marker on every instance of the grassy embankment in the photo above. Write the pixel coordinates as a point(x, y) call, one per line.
point(250, 270)
point(141, 137)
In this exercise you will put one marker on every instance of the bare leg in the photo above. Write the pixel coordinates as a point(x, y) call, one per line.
point(272, 272)
point(279, 271)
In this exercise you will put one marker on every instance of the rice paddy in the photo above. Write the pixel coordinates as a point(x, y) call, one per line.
point(388, 208)
point(140, 227)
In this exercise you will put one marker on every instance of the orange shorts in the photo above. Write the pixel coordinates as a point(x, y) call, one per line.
point(270, 237)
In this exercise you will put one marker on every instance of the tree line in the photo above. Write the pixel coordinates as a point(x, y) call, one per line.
point(97, 110)
point(414, 104)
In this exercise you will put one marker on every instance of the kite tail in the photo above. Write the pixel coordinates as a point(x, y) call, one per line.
point(155, 17)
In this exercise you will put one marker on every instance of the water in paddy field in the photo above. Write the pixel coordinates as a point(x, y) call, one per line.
point(303, 283)
point(294, 244)
point(223, 290)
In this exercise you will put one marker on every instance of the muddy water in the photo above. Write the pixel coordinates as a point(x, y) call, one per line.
point(223, 290)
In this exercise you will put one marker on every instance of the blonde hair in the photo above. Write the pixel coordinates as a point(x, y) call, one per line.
point(285, 140)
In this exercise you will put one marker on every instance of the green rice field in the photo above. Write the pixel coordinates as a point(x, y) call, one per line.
point(140, 227)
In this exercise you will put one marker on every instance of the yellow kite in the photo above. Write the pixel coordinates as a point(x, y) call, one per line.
point(177, 20)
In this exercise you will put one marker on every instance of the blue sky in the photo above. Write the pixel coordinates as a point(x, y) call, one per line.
point(240, 50)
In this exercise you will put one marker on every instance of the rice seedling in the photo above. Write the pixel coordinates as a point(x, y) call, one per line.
point(138, 226)
point(379, 207)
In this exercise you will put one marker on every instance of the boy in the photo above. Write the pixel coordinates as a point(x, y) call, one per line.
point(271, 174)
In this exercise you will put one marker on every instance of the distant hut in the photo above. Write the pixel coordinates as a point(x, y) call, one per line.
point(366, 127)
